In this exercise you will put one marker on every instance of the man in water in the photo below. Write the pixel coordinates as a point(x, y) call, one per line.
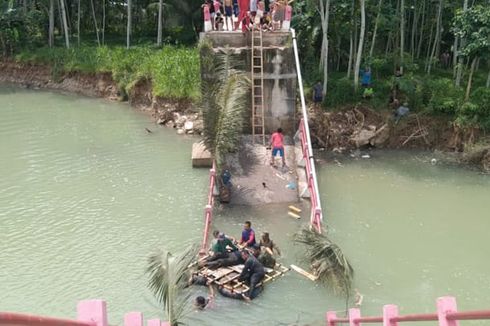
point(202, 303)
point(277, 146)
point(248, 235)
point(253, 273)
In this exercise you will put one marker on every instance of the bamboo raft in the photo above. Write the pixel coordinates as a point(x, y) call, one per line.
point(227, 277)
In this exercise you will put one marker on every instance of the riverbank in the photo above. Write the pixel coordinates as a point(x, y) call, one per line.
point(180, 114)
point(355, 127)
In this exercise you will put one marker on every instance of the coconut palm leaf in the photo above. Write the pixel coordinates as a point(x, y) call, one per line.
point(167, 280)
point(224, 92)
point(332, 267)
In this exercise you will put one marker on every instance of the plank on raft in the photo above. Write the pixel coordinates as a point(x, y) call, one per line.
point(304, 273)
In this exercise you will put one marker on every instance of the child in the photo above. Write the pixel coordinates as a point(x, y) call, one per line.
point(219, 22)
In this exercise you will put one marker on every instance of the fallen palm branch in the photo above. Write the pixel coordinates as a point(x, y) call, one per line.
point(168, 275)
point(327, 260)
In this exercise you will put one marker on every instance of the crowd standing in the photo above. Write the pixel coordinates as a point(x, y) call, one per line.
point(230, 15)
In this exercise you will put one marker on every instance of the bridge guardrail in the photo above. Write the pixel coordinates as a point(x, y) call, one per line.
point(208, 209)
point(316, 217)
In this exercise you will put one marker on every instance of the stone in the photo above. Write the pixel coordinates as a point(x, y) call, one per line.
point(170, 124)
point(188, 125)
point(201, 157)
point(382, 137)
point(180, 131)
point(363, 137)
point(180, 121)
point(160, 121)
point(190, 132)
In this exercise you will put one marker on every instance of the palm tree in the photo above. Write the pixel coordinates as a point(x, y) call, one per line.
point(328, 261)
point(224, 90)
point(168, 280)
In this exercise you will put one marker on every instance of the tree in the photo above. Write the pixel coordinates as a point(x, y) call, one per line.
point(473, 25)
point(402, 33)
point(65, 23)
point(361, 44)
point(128, 29)
point(51, 24)
point(459, 67)
point(324, 10)
point(376, 23)
point(160, 16)
point(225, 99)
point(168, 279)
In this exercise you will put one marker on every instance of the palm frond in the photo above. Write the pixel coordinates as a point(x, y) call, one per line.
point(167, 281)
point(224, 92)
point(328, 260)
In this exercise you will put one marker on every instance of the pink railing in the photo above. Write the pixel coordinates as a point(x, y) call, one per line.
point(446, 315)
point(208, 209)
point(10, 318)
point(89, 313)
point(316, 208)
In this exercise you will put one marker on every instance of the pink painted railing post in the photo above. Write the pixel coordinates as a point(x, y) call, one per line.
point(154, 322)
point(94, 311)
point(133, 319)
point(446, 305)
point(354, 313)
point(331, 317)
point(390, 311)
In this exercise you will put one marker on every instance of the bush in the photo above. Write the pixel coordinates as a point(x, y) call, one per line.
point(442, 96)
point(340, 91)
point(174, 71)
point(476, 112)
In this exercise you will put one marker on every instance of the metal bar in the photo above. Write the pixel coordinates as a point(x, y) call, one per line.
point(305, 113)
point(8, 318)
point(468, 315)
point(208, 210)
point(415, 317)
point(368, 320)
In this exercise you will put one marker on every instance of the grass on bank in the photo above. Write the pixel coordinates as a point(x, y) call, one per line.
point(174, 71)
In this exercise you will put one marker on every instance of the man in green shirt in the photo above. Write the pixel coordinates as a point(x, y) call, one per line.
point(220, 248)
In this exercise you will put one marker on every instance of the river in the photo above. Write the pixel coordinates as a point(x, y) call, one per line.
point(86, 194)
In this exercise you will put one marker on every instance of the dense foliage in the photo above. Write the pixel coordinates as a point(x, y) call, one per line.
point(174, 71)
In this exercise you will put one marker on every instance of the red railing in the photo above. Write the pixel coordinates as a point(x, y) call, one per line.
point(446, 315)
point(9, 318)
point(208, 209)
point(316, 208)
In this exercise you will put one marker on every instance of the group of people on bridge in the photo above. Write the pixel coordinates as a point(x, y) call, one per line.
point(255, 255)
point(267, 15)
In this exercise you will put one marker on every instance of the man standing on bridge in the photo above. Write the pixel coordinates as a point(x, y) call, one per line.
point(277, 146)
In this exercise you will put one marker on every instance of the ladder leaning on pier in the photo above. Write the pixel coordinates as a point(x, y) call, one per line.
point(257, 63)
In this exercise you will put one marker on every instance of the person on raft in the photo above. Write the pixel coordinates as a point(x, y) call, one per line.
point(220, 247)
point(253, 273)
point(234, 295)
point(264, 257)
point(248, 235)
point(231, 259)
point(268, 244)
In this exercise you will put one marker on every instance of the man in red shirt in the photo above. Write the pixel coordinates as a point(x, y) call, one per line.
point(277, 146)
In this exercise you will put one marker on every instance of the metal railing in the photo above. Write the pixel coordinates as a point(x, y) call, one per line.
point(10, 318)
point(208, 209)
point(446, 315)
point(316, 216)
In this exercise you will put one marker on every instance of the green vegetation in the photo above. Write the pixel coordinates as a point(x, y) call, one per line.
point(174, 71)
point(441, 48)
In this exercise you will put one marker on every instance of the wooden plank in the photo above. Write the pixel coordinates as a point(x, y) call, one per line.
point(304, 273)
point(296, 216)
point(294, 209)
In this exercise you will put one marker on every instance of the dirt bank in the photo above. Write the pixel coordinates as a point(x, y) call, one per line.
point(181, 115)
point(340, 131)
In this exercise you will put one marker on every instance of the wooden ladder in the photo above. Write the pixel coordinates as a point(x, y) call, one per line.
point(258, 123)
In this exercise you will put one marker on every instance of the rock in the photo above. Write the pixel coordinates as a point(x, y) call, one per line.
point(198, 126)
point(188, 126)
point(190, 132)
point(363, 137)
point(382, 137)
point(372, 127)
point(161, 121)
point(170, 124)
point(180, 121)
point(180, 131)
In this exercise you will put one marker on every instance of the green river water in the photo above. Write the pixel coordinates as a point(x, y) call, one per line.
point(86, 194)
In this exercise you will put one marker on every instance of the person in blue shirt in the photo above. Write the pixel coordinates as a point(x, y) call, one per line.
point(248, 235)
point(366, 77)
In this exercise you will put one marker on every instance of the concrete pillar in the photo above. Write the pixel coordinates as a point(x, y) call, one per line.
point(133, 319)
point(353, 314)
point(92, 311)
point(331, 316)
point(389, 311)
point(444, 306)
